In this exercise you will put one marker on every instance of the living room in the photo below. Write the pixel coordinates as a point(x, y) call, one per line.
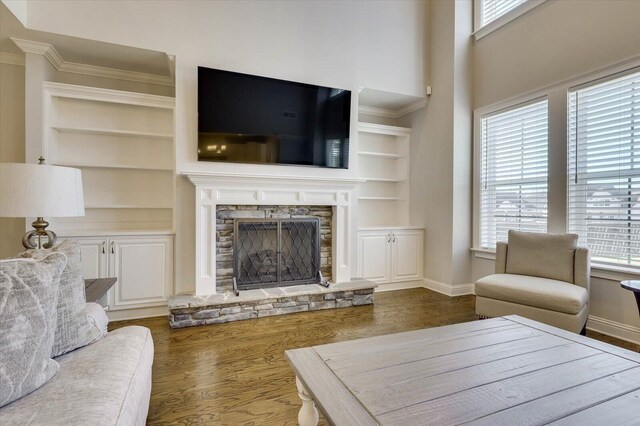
point(447, 129)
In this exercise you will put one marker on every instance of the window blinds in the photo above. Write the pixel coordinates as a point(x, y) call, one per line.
point(493, 9)
point(604, 169)
point(513, 192)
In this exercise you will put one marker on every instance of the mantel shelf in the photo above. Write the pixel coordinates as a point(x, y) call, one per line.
point(112, 132)
point(379, 154)
point(110, 166)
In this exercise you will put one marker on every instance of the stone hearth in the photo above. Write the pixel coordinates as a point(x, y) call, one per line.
point(189, 311)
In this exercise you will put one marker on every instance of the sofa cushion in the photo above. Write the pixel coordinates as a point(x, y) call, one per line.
point(105, 383)
point(28, 296)
point(75, 328)
point(542, 255)
point(537, 292)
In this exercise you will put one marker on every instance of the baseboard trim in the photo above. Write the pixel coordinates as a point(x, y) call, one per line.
point(399, 286)
point(615, 329)
point(449, 289)
point(138, 313)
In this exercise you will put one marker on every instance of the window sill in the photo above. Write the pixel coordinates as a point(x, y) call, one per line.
point(598, 270)
point(506, 18)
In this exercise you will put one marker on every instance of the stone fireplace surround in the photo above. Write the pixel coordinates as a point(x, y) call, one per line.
point(226, 214)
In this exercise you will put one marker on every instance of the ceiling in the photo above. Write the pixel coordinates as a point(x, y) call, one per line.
point(84, 51)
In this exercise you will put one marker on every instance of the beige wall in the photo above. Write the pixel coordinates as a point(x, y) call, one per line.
point(11, 146)
point(555, 42)
point(440, 190)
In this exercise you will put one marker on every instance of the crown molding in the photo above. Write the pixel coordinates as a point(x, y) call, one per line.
point(52, 55)
point(12, 59)
point(393, 113)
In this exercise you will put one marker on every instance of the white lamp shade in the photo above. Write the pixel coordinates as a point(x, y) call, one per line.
point(35, 190)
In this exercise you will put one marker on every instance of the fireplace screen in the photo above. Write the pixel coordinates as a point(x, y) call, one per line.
point(276, 252)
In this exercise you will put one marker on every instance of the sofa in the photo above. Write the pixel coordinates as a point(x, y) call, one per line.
point(75, 372)
point(543, 277)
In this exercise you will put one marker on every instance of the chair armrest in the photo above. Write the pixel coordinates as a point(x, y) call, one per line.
point(582, 268)
point(501, 258)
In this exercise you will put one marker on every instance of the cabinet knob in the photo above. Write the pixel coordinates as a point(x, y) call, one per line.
point(113, 250)
point(388, 238)
point(103, 249)
point(394, 238)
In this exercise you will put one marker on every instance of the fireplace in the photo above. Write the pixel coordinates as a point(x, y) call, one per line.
point(221, 197)
point(276, 252)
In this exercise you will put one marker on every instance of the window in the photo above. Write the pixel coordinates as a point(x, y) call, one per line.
point(490, 10)
point(604, 169)
point(513, 186)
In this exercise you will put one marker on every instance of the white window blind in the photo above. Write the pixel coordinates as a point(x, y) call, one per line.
point(490, 10)
point(513, 192)
point(604, 169)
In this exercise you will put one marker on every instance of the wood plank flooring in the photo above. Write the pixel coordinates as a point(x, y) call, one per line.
point(236, 373)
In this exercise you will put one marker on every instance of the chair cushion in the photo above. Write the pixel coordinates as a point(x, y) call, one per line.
point(74, 326)
point(537, 292)
point(28, 297)
point(542, 255)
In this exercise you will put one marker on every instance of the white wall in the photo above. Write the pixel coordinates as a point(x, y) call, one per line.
point(11, 146)
point(345, 44)
point(554, 42)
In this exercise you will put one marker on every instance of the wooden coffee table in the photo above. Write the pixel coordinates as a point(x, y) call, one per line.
point(499, 371)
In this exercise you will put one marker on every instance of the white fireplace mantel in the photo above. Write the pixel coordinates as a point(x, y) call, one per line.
point(213, 189)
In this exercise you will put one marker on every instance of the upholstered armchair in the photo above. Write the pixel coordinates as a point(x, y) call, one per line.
point(543, 277)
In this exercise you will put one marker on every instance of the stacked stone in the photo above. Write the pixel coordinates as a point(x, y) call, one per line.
point(226, 312)
point(225, 214)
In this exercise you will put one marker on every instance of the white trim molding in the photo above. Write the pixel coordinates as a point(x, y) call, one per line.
point(449, 289)
point(52, 55)
point(393, 113)
point(615, 329)
point(503, 20)
point(12, 59)
point(213, 189)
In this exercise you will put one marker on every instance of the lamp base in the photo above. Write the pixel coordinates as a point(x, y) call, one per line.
point(40, 225)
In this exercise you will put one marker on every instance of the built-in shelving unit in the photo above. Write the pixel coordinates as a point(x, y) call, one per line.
point(383, 165)
point(124, 144)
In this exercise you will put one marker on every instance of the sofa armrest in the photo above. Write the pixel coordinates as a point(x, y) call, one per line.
point(501, 258)
point(582, 268)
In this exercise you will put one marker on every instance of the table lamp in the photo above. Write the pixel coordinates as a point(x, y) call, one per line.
point(39, 190)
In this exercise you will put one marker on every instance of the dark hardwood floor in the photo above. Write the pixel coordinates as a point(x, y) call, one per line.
point(236, 373)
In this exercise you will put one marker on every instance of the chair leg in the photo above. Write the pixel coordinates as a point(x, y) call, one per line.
point(584, 330)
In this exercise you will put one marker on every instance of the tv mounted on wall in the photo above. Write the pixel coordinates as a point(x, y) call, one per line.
point(249, 119)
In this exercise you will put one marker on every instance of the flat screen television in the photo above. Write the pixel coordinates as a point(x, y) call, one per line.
point(249, 119)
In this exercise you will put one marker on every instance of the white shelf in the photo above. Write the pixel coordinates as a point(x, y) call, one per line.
point(379, 179)
point(386, 228)
point(111, 166)
point(380, 154)
point(113, 132)
point(381, 198)
point(127, 206)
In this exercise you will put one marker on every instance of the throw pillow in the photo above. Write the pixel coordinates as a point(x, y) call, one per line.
point(542, 255)
point(75, 328)
point(28, 298)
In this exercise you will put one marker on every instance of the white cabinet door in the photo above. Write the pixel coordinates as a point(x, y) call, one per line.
point(374, 252)
point(93, 252)
point(144, 268)
point(406, 255)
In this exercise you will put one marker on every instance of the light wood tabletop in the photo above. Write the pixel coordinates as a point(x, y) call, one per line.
point(509, 371)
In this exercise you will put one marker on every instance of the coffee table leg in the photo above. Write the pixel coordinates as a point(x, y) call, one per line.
point(308, 414)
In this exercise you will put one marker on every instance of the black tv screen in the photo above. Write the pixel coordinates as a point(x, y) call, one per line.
point(249, 119)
